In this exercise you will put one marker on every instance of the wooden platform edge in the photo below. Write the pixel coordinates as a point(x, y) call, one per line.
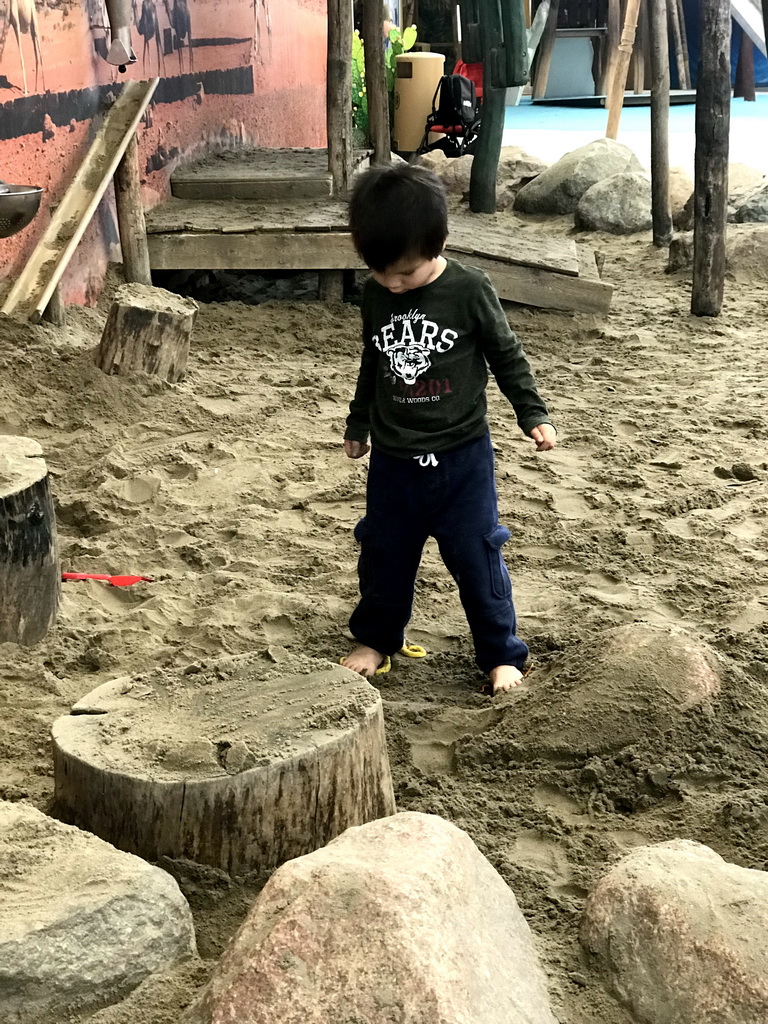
point(267, 189)
point(333, 251)
point(35, 285)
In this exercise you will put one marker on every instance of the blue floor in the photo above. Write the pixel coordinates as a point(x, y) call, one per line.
point(533, 116)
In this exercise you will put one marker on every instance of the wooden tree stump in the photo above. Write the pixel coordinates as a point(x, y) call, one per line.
point(30, 577)
point(147, 329)
point(242, 765)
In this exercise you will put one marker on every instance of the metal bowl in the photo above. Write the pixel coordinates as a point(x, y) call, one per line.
point(18, 206)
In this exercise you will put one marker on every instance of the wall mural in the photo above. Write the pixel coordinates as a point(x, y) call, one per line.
point(213, 59)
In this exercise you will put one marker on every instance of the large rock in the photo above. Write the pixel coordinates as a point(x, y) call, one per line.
point(754, 209)
point(559, 188)
point(682, 936)
point(401, 919)
point(516, 168)
point(680, 191)
point(620, 204)
point(81, 924)
point(743, 181)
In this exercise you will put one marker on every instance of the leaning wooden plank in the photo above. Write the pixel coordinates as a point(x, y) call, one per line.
point(533, 287)
point(494, 240)
point(37, 281)
point(312, 250)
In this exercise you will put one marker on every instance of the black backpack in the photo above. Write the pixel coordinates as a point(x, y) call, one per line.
point(455, 115)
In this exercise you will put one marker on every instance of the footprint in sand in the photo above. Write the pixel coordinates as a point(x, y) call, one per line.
point(433, 743)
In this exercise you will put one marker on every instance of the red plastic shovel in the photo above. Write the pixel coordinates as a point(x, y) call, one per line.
point(115, 581)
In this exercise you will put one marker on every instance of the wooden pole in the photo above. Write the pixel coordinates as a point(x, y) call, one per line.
point(683, 80)
point(619, 78)
point(376, 82)
point(641, 49)
point(659, 41)
point(612, 44)
point(684, 43)
point(130, 216)
point(339, 94)
point(713, 100)
point(485, 165)
point(744, 87)
point(546, 47)
point(55, 312)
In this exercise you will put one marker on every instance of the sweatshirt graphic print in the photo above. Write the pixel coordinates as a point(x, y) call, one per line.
point(425, 361)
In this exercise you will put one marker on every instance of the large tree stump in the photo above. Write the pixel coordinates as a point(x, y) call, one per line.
point(147, 329)
point(241, 765)
point(30, 577)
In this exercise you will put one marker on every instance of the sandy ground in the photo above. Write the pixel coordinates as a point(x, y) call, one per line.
point(232, 490)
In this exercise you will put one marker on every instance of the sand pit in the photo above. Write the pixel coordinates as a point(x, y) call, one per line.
point(231, 490)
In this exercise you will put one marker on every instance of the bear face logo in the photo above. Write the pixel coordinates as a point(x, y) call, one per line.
point(409, 362)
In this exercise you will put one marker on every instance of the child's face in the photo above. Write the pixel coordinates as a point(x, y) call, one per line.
point(407, 273)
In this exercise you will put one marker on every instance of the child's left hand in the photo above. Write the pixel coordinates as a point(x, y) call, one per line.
point(545, 437)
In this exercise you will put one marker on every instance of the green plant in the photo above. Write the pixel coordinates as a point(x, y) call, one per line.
point(399, 42)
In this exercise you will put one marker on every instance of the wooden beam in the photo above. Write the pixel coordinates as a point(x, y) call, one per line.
point(339, 94)
point(296, 250)
point(713, 115)
point(683, 79)
point(130, 216)
point(35, 285)
point(659, 47)
point(744, 87)
point(376, 82)
point(619, 78)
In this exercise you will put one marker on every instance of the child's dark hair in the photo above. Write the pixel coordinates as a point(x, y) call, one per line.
point(396, 212)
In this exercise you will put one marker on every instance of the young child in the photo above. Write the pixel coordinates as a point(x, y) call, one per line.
point(431, 328)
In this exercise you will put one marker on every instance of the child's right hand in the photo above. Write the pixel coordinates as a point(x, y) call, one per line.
point(356, 449)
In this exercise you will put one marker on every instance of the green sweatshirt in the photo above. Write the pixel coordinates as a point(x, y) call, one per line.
point(424, 369)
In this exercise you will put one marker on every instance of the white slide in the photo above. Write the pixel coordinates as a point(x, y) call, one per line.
point(749, 14)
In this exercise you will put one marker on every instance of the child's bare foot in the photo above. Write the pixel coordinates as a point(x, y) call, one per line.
point(504, 677)
point(364, 660)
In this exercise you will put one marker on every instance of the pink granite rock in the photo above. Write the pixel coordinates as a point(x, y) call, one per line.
point(400, 920)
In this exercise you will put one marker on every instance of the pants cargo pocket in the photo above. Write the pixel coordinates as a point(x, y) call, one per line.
point(500, 582)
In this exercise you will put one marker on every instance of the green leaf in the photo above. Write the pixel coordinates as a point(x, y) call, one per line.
point(409, 37)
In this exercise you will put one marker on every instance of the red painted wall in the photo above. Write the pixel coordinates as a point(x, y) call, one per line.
point(255, 75)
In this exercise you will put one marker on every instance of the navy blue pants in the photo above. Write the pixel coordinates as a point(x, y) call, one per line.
point(454, 501)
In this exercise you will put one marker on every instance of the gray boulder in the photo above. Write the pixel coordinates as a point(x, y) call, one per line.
point(620, 204)
point(680, 936)
point(755, 208)
point(402, 919)
point(559, 188)
point(81, 924)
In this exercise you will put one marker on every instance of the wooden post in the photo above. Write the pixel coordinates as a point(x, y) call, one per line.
point(55, 312)
point(130, 216)
point(485, 165)
point(546, 48)
point(339, 94)
point(683, 79)
point(376, 82)
point(684, 43)
point(641, 49)
point(147, 329)
point(612, 44)
point(713, 115)
point(659, 39)
point(744, 87)
point(30, 577)
point(619, 78)
point(330, 285)
point(242, 768)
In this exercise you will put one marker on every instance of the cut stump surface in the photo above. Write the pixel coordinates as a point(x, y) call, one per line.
point(241, 765)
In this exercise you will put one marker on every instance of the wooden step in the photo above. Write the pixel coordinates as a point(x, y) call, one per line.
point(267, 174)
